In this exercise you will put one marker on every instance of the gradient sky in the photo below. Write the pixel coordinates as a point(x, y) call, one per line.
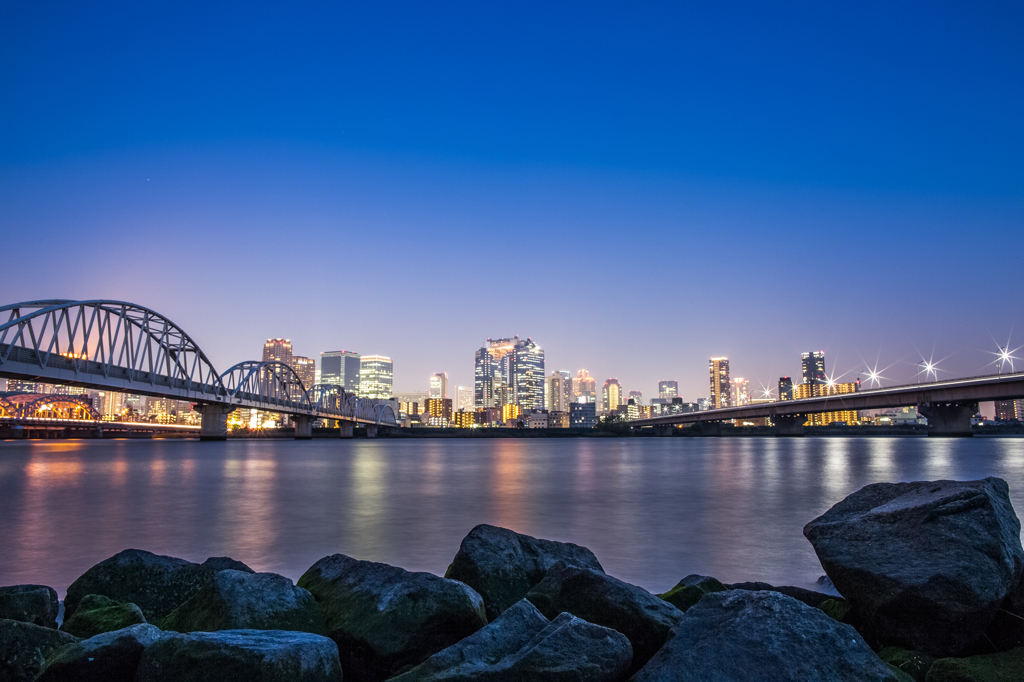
point(636, 187)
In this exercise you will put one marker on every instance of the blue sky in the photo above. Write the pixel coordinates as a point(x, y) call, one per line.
point(635, 187)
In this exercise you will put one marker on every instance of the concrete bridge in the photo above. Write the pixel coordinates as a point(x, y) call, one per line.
point(123, 347)
point(948, 406)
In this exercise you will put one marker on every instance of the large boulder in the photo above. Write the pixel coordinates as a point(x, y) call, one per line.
point(385, 618)
point(109, 657)
point(924, 565)
point(742, 635)
point(601, 599)
point(36, 604)
point(502, 565)
point(97, 614)
point(809, 597)
point(1006, 666)
point(157, 584)
point(249, 655)
point(522, 645)
point(690, 589)
point(24, 647)
point(234, 600)
point(1007, 629)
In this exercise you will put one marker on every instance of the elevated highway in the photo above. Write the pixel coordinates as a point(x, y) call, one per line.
point(948, 406)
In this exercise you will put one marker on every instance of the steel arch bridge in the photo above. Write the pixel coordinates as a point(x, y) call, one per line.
point(124, 347)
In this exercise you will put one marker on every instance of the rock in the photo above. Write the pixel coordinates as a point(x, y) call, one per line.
point(809, 597)
point(835, 609)
point(900, 675)
point(157, 584)
point(25, 646)
point(913, 663)
point(1006, 666)
point(924, 565)
point(245, 655)
point(1007, 628)
point(502, 565)
point(690, 589)
point(233, 600)
point(36, 604)
point(385, 618)
point(743, 635)
point(109, 657)
point(522, 645)
point(601, 599)
point(223, 563)
point(97, 614)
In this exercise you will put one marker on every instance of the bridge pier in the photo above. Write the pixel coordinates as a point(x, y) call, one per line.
point(371, 430)
point(789, 425)
point(949, 419)
point(214, 425)
point(709, 428)
point(303, 426)
point(346, 429)
point(663, 429)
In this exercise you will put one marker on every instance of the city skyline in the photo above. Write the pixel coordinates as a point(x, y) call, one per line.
point(376, 148)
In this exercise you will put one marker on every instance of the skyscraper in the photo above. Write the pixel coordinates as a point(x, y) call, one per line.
point(306, 369)
point(813, 366)
point(668, 389)
point(566, 388)
point(555, 394)
point(464, 398)
point(515, 365)
point(340, 368)
point(584, 386)
point(278, 349)
point(721, 390)
point(439, 385)
point(785, 388)
point(611, 394)
point(740, 391)
point(637, 396)
point(376, 376)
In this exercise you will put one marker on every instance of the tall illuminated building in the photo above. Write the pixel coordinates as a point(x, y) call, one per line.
point(1006, 410)
point(438, 411)
point(514, 365)
point(439, 385)
point(740, 391)
point(785, 388)
point(812, 390)
point(278, 349)
point(464, 398)
point(555, 395)
point(813, 367)
point(566, 389)
point(611, 395)
point(637, 397)
point(721, 389)
point(340, 368)
point(584, 386)
point(376, 377)
point(306, 369)
point(668, 389)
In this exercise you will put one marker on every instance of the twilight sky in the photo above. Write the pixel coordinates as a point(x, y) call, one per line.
point(637, 187)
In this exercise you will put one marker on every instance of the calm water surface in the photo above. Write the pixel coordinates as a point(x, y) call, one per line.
point(652, 509)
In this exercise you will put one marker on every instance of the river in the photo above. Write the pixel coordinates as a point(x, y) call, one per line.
point(652, 509)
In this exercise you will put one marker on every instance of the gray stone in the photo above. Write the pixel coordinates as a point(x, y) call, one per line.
point(521, 646)
point(603, 600)
point(502, 565)
point(385, 618)
point(690, 589)
point(923, 565)
point(97, 614)
point(24, 647)
point(809, 597)
point(233, 600)
point(109, 657)
point(243, 655)
point(224, 563)
point(36, 604)
point(1007, 628)
point(741, 635)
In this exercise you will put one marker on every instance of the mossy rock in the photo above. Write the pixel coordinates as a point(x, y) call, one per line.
point(1007, 666)
point(97, 614)
point(690, 589)
point(913, 663)
point(836, 609)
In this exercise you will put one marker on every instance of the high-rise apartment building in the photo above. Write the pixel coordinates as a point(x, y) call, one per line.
point(464, 398)
point(438, 411)
point(611, 395)
point(566, 390)
point(340, 368)
point(439, 385)
point(785, 388)
point(637, 397)
point(721, 389)
point(513, 365)
point(583, 413)
point(810, 390)
point(584, 386)
point(555, 395)
point(278, 349)
point(376, 377)
point(1006, 410)
point(740, 392)
point(306, 369)
point(668, 389)
point(813, 367)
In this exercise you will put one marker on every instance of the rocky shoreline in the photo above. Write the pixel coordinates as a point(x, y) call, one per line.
point(930, 573)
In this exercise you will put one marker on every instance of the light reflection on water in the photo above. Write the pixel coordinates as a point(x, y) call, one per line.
point(653, 510)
